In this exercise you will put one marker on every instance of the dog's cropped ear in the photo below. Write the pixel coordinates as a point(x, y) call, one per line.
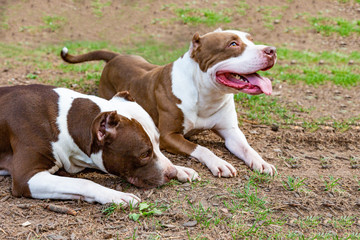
point(218, 30)
point(195, 43)
point(104, 126)
point(125, 95)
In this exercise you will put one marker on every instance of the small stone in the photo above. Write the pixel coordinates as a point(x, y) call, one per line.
point(277, 150)
point(118, 188)
point(169, 226)
point(293, 62)
point(25, 224)
point(351, 62)
point(342, 43)
point(224, 210)
point(73, 236)
point(190, 224)
point(274, 127)
point(277, 21)
point(321, 62)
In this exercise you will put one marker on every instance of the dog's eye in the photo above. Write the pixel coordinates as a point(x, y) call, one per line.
point(233, 44)
point(145, 154)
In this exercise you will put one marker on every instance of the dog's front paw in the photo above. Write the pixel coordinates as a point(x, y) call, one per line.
point(221, 168)
point(185, 174)
point(124, 199)
point(263, 167)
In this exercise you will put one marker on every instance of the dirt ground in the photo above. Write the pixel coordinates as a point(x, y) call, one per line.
point(318, 154)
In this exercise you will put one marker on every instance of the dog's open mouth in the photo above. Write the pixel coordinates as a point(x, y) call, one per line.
point(248, 83)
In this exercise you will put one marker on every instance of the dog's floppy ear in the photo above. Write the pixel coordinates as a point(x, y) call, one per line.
point(195, 43)
point(125, 95)
point(104, 126)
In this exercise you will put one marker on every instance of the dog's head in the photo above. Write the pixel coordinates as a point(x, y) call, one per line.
point(232, 60)
point(130, 148)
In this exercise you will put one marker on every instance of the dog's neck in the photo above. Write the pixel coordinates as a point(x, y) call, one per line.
point(196, 87)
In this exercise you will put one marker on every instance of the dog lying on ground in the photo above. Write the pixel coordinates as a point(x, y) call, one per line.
point(194, 93)
point(44, 129)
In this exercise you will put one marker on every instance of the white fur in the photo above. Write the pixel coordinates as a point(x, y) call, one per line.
point(64, 51)
point(209, 105)
point(44, 185)
point(69, 156)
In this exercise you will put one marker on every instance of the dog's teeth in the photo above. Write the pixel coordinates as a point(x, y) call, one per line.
point(237, 76)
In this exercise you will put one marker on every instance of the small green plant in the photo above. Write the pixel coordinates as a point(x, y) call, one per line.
point(293, 183)
point(31, 76)
point(331, 184)
point(146, 209)
point(112, 208)
point(291, 162)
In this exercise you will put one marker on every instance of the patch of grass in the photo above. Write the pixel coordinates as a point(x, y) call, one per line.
point(293, 183)
point(257, 178)
point(98, 5)
point(205, 216)
point(308, 222)
point(241, 7)
point(201, 16)
point(53, 22)
point(251, 214)
point(269, 16)
point(334, 67)
point(343, 221)
point(327, 26)
point(264, 109)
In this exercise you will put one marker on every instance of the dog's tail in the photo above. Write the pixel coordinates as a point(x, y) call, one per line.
point(91, 56)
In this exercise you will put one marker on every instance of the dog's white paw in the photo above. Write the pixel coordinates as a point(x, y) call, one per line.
point(221, 168)
point(124, 199)
point(185, 174)
point(263, 167)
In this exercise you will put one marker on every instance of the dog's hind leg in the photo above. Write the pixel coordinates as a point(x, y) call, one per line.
point(44, 185)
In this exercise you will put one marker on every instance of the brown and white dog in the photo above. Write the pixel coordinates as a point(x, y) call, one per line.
point(44, 129)
point(194, 93)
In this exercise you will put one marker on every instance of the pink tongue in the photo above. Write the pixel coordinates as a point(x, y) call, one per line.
point(262, 82)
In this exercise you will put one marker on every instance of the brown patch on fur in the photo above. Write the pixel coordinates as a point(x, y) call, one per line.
point(26, 134)
point(215, 47)
point(80, 117)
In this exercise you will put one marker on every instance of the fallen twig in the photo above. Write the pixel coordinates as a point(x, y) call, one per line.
point(60, 209)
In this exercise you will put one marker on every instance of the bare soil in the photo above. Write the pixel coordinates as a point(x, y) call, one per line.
point(318, 154)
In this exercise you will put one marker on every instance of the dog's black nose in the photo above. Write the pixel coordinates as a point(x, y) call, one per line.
point(270, 51)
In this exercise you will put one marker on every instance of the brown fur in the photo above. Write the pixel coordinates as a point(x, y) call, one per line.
point(151, 84)
point(28, 127)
